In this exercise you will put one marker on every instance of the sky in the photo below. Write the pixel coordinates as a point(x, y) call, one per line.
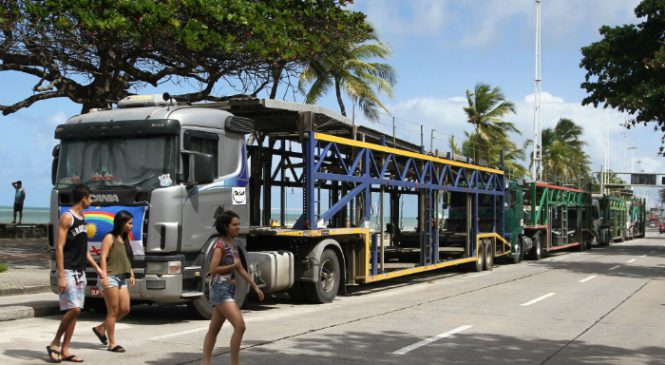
point(439, 50)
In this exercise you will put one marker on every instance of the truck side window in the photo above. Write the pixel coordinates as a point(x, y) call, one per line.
point(201, 142)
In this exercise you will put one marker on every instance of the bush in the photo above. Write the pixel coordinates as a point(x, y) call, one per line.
point(3, 267)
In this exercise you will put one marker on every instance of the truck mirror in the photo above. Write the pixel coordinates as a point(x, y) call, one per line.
point(201, 168)
point(54, 163)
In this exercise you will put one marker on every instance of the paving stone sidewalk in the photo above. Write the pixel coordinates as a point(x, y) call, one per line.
point(24, 288)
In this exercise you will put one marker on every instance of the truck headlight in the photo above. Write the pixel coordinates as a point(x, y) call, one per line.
point(174, 267)
point(163, 267)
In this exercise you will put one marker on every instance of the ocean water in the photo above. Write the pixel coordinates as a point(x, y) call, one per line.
point(30, 215)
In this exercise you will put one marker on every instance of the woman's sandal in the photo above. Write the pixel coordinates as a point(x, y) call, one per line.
point(51, 352)
point(117, 348)
point(72, 358)
point(101, 337)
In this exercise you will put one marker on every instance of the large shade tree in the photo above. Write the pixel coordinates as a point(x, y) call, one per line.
point(351, 70)
point(626, 68)
point(96, 52)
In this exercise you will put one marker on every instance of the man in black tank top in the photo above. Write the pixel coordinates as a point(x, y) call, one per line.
point(71, 254)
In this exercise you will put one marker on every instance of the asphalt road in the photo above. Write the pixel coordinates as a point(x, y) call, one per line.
point(604, 306)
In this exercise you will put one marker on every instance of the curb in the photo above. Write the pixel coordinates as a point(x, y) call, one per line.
point(36, 309)
point(37, 289)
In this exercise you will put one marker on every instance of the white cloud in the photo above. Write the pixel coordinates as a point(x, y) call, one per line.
point(481, 23)
point(545, 98)
point(57, 118)
point(414, 17)
point(447, 117)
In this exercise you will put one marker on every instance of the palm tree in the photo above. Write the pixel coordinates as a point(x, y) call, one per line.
point(492, 154)
point(487, 106)
point(351, 71)
point(563, 156)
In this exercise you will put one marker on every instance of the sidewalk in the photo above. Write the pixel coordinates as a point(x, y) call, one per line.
point(24, 287)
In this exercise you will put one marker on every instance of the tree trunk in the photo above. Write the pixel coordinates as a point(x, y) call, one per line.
point(277, 69)
point(338, 92)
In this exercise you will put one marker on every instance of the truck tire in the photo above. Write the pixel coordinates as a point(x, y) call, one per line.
point(201, 305)
point(536, 252)
point(518, 255)
point(328, 279)
point(488, 255)
point(477, 265)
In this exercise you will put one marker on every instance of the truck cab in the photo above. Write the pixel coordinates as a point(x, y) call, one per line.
point(173, 167)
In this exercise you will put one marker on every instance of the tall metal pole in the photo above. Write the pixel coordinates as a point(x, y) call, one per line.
point(536, 166)
point(431, 141)
point(394, 132)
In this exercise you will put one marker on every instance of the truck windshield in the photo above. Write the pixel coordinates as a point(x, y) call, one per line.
point(117, 162)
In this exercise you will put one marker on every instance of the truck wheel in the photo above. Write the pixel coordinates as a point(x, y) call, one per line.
point(488, 255)
point(201, 305)
point(517, 256)
point(327, 282)
point(536, 252)
point(477, 265)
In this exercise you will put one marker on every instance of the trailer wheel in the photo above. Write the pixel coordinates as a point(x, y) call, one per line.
point(477, 266)
point(327, 282)
point(517, 256)
point(536, 252)
point(488, 255)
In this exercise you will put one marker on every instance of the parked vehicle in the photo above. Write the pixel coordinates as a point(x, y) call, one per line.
point(174, 167)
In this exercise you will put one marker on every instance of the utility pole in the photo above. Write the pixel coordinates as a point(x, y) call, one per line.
point(632, 158)
point(536, 166)
point(431, 141)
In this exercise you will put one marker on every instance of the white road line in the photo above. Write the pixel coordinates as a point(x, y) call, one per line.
point(614, 267)
point(643, 256)
point(178, 334)
point(537, 299)
point(587, 279)
point(631, 261)
point(476, 275)
point(422, 343)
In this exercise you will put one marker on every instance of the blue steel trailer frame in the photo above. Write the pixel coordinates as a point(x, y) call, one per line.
point(371, 164)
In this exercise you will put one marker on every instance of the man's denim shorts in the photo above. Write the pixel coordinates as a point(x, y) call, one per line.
point(221, 292)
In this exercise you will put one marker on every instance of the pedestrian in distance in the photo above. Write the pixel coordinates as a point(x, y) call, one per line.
point(224, 266)
point(19, 198)
point(115, 260)
point(71, 254)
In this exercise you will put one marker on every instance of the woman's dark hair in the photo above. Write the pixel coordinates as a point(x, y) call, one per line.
point(119, 221)
point(223, 220)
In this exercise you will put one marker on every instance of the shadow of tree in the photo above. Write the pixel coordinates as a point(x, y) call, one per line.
point(356, 347)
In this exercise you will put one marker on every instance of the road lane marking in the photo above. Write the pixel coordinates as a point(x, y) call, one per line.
point(537, 299)
point(614, 267)
point(630, 261)
point(422, 343)
point(178, 334)
point(587, 279)
point(643, 256)
point(476, 275)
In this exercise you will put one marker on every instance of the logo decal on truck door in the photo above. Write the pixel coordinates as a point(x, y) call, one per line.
point(238, 196)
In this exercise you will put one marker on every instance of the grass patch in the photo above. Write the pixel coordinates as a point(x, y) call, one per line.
point(3, 267)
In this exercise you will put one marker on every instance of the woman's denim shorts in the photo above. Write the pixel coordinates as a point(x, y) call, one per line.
point(221, 292)
point(115, 281)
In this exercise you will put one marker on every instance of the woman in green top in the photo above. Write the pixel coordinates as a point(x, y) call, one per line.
point(115, 261)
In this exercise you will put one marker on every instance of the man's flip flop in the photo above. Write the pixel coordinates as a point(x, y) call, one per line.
point(72, 358)
point(101, 338)
point(118, 348)
point(50, 352)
